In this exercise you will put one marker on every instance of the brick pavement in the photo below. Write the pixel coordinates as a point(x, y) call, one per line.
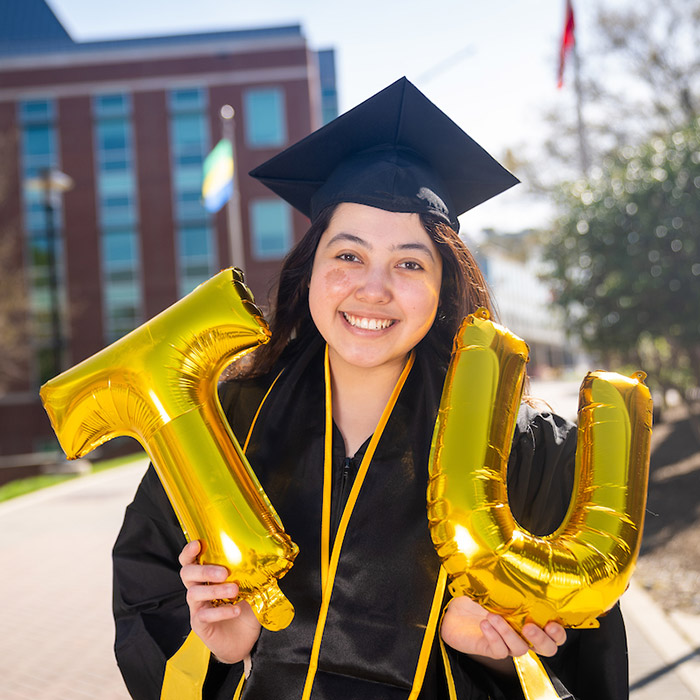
point(57, 632)
point(57, 626)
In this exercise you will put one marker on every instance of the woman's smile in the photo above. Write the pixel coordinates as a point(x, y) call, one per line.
point(370, 324)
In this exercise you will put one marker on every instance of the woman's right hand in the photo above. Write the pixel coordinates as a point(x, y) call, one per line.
point(229, 631)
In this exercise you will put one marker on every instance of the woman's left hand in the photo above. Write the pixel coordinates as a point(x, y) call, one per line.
point(471, 629)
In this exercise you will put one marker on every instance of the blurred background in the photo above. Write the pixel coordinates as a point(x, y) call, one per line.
point(127, 130)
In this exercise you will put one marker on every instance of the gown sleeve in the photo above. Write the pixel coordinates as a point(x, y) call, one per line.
point(149, 604)
point(150, 611)
point(592, 664)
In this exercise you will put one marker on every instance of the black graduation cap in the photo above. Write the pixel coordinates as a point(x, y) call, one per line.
point(395, 151)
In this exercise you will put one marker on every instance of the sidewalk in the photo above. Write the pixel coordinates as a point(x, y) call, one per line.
point(56, 589)
point(57, 634)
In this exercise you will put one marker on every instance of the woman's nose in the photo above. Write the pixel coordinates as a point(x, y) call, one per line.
point(375, 287)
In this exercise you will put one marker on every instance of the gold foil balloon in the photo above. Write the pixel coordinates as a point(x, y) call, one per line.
point(158, 385)
point(576, 573)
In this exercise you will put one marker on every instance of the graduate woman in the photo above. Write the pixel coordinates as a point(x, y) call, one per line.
point(337, 413)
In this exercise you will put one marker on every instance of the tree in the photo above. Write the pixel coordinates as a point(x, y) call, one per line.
point(640, 77)
point(625, 258)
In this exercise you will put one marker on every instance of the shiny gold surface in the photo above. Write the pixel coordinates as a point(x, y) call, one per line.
point(578, 572)
point(158, 384)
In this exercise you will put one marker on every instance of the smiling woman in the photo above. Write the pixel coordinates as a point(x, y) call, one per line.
point(337, 415)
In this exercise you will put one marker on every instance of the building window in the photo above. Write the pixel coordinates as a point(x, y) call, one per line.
point(196, 255)
point(38, 153)
point(265, 118)
point(189, 144)
point(36, 110)
point(117, 208)
point(114, 105)
point(271, 227)
point(187, 100)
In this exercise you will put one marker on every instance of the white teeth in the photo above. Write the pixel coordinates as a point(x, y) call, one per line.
point(371, 324)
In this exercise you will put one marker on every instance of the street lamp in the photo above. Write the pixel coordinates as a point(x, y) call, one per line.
point(233, 211)
point(52, 183)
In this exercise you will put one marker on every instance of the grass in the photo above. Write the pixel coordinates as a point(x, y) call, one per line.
point(20, 487)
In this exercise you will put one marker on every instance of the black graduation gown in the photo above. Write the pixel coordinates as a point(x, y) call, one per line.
point(386, 576)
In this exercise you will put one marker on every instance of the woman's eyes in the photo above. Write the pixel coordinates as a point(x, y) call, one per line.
point(405, 264)
point(411, 265)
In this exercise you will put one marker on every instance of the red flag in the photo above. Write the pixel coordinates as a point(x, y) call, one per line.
point(567, 40)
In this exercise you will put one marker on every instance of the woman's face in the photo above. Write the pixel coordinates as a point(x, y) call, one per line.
point(375, 285)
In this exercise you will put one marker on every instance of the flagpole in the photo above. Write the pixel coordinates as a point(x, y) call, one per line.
point(581, 126)
point(233, 206)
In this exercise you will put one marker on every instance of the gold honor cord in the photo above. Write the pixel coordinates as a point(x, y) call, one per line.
point(239, 689)
point(186, 671)
point(347, 511)
point(429, 636)
point(451, 690)
point(327, 475)
point(533, 678)
point(257, 413)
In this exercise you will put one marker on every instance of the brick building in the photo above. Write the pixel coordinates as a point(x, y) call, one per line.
point(130, 122)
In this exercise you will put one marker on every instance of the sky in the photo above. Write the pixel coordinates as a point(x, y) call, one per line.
point(491, 66)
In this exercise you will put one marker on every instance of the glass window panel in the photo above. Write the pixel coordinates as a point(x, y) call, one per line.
point(114, 182)
point(195, 242)
point(33, 167)
point(112, 105)
point(35, 220)
point(36, 110)
point(187, 99)
point(119, 248)
point(114, 161)
point(111, 161)
point(190, 210)
point(196, 159)
point(188, 130)
point(41, 301)
point(271, 225)
point(265, 123)
point(112, 135)
point(37, 140)
point(188, 179)
point(199, 271)
point(119, 295)
point(113, 217)
point(118, 276)
point(34, 203)
point(116, 200)
point(39, 251)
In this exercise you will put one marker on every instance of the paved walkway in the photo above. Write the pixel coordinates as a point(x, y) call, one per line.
point(56, 641)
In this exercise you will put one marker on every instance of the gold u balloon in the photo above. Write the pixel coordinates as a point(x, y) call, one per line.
point(158, 385)
point(576, 573)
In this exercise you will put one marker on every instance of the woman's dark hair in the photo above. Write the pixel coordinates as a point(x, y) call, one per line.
point(463, 290)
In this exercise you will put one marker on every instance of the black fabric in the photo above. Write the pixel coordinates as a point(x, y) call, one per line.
point(388, 567)
point(395, 151)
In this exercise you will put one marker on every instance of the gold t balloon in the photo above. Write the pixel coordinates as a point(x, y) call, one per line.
point(158, 385)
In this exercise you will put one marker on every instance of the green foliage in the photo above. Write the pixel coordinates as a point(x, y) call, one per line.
point(626, 258)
